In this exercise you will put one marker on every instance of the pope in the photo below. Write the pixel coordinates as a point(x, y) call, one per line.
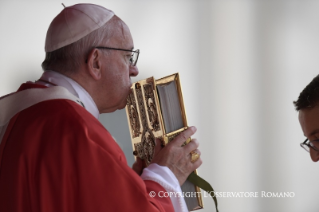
point(54, 153)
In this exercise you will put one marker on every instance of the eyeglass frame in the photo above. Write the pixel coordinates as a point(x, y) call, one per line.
point(303, 144)
point(136, 51)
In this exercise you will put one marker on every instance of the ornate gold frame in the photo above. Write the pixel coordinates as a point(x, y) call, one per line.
point(145, 119)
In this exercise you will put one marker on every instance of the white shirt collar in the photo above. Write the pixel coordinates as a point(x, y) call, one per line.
point(73, 87)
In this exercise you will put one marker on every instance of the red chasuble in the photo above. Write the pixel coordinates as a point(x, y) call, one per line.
point(56, 157)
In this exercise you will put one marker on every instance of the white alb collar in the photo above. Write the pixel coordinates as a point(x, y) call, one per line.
point(73, 87)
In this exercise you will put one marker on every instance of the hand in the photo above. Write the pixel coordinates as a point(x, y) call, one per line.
point(138, 165)
point(176, 157)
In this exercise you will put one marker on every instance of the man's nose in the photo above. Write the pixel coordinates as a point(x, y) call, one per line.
point(314, 155)
point(133, 71)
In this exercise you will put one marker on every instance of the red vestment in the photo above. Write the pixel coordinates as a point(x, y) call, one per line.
point(56, 157)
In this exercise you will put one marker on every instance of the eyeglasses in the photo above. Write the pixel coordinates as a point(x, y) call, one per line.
point(309, 145)
point(134, 56)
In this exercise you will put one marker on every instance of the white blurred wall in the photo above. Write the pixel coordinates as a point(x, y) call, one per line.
point(242, 63)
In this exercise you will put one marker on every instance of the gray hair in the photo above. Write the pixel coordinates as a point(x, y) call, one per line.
point(69, 58)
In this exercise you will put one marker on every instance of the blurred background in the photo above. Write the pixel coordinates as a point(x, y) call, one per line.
point(242, 64)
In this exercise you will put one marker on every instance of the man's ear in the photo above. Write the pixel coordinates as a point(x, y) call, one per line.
point(94, 63)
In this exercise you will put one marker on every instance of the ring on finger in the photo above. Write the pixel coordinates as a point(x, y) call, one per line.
point(194, 156)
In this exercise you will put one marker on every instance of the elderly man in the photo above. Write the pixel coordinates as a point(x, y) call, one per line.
point(308, 107)
point(54, 153)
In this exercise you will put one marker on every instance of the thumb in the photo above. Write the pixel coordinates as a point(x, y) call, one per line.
point(138, 163)
point(138, 166)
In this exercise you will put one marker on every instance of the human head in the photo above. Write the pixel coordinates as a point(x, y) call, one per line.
point(65, 53)
point(308, 107)
point(102, 73)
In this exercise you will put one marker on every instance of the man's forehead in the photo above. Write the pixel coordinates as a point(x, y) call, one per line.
point(122, 37)
point(309, 120)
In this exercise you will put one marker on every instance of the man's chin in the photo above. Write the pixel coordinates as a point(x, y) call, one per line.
point(122, 107)
point(114, 108)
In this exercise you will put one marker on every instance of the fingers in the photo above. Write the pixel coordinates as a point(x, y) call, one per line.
point(194, 155)
point(198, 151)
point(197, 164)
point(181, 138)
point(192, 145)
point(177, 157)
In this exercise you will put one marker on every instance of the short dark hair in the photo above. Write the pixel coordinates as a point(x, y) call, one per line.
point(309, 97)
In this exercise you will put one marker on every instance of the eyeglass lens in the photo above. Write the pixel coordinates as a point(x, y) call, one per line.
point(134, 57)
point(305, 147)
point(309, 145)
